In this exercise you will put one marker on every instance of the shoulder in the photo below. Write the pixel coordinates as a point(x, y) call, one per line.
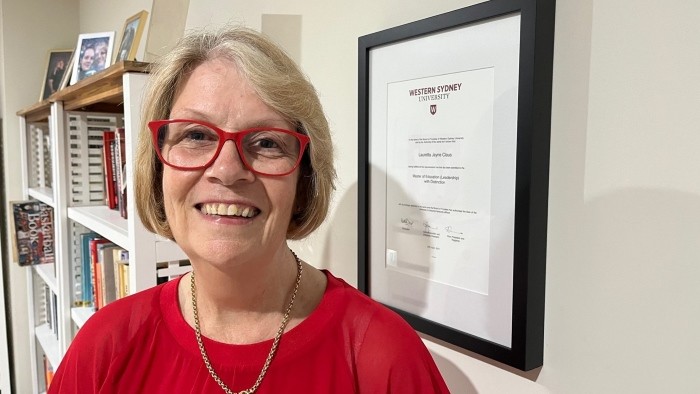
point(125, 310)
point(116, 323)
point(359, 306)
point(371, 323)
point(389, 354)
point(110, 335)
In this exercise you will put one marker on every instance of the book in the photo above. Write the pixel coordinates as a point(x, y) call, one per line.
point(109, 175)
point(121, 271)
point(54, 314)
point(86, 278)
point(33, 233)
point(48, 307)
point(105, 261)
point(120, 160)
point(96, 272)
point(48, 372)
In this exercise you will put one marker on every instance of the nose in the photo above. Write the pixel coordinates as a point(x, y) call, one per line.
point(228, 167)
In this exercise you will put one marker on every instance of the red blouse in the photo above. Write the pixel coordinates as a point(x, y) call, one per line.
point(349, 344)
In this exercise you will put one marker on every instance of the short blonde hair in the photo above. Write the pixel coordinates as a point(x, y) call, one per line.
point(279, 83)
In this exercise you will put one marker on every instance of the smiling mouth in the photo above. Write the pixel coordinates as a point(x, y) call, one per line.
point(220, 209)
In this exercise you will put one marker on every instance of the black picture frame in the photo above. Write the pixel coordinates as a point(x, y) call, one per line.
point(534, 95)
point(57, 65)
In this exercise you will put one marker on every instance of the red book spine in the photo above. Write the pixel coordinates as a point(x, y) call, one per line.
point(109, 175)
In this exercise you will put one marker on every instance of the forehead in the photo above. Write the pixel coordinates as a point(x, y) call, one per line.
point(217, 91)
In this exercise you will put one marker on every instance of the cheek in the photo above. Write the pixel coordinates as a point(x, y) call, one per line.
point(176, 185)
point(285, 196)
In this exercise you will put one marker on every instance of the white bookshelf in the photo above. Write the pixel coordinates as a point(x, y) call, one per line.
point(47, 272)
point(49, 343)
point(50, 131)
point(81, 315)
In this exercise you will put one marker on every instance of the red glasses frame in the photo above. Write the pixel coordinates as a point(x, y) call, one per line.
point(236, 137)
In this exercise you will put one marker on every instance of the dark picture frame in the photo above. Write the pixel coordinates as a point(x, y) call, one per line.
point(526, 242)
point(65, 81)
point(93, 53)
point(131, 36)
point(57, 66)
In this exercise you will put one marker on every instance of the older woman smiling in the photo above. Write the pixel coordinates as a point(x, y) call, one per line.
point(235, 160)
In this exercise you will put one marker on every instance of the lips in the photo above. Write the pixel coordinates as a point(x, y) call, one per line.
point(221, 209)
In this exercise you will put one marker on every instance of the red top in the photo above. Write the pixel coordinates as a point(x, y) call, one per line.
point(349, 344)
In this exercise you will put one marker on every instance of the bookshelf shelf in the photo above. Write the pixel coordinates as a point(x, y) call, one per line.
point(43, 194)
point(49, 344)
point(81, 315)
point(104, 221)
point(47, 273)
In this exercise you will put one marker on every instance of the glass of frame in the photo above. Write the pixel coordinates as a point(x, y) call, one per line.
point(57, 65)
point(93, 54)
point(131, 36)
point(454, 125)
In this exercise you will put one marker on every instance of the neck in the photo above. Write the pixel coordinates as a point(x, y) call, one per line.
point(249, 294)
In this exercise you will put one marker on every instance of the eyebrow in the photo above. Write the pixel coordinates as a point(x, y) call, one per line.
point(194, 114)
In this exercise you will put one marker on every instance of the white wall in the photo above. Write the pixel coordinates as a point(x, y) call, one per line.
point(623, 301)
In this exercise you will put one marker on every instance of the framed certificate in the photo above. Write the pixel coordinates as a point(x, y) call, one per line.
point(454, 118)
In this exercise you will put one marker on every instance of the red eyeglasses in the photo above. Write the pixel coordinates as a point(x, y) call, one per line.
point(192, 145)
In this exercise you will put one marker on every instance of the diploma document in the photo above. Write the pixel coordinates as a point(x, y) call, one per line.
point(438, 208)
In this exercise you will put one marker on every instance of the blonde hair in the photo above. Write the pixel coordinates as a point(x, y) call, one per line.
point(279, 83)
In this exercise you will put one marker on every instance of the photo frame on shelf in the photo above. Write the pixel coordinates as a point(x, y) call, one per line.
point(93, 54)
point(69, 71)
point(131, 36)
point(57, 65)
point(454, 123)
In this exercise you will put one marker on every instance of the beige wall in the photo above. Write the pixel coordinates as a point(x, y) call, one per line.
point(623, 301)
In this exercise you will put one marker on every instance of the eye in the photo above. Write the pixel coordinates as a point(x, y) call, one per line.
point(266, 143)
point(196, 134)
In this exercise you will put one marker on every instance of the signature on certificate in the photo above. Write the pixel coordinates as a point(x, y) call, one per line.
point(451, 230)
point(428, 227)
point(407, 221)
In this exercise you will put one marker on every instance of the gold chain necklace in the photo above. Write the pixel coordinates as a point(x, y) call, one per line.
point(275, 342)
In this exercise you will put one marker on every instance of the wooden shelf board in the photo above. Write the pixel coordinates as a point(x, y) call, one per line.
point(37, 112)
point(103, 87)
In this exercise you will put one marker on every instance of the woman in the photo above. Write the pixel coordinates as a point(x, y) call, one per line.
point(87, 57)
point(100, 55)
point(53, 83)
point(239, 160)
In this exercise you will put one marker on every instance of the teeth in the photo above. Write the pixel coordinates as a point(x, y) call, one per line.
point(227, 209)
